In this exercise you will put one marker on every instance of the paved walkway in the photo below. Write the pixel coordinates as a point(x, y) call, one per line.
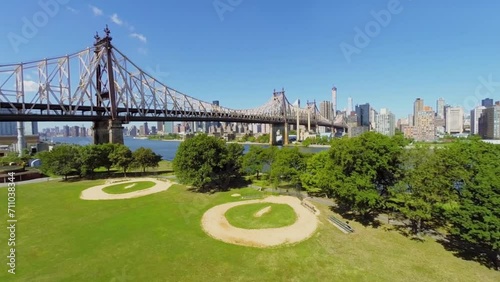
point(96, 192)
point(214, 222)
point(43, 179)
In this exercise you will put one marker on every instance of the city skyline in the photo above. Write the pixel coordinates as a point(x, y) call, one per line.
point(306, 69)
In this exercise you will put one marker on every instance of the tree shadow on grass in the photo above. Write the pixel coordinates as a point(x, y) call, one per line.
point(347, 213)
point(468, 251)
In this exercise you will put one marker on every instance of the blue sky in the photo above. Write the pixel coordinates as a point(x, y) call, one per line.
point(238, 51)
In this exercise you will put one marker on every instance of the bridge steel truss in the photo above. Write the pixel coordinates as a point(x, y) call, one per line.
point(80, 86)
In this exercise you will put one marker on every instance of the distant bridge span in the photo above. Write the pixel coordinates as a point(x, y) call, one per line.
point(101, 84)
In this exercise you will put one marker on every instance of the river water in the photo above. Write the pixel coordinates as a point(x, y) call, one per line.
point(166, 149)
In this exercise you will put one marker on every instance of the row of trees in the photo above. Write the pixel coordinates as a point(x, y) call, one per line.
point(456, 187)
point(67, 160)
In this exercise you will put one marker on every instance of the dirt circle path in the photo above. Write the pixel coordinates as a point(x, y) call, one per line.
point(216, 225)
point(96, 192)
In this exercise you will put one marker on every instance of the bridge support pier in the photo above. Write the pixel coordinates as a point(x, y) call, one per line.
point(21, 142)
point(107, 131)
point(285, 133)
point(115, 132)
point(283, 129)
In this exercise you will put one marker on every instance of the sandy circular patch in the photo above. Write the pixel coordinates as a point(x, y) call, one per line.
point(96, 193)
point(216, 225)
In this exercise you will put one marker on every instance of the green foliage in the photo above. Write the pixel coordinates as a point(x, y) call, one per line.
point(363, 169)
point(248, 138)
point(323, 140)
point(122, 158)
point(169, 136)
point(317, 177)
point(288, 165)
point(106, 151)
point(63, 160)
point(11, 157)
point(205, 162)
point(477, 218)
point(90, 158)
point(253, 160)
point(264, 138)
point(145, 157)
point(424, 188)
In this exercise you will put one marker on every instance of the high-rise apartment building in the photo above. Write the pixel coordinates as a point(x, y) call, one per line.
point(425, 129)
point(349, 106)
point(454, 120)
point(334, 101)
point(373, 118)
point(488, 102)
point(385, 122)
point(489, 123)
point(440, 108)
point(418, 106)
point(363, 114)
point(326, 110)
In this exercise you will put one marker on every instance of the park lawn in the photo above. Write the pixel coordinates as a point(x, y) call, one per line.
point(122, 187)
point(159, 238)
point(244, 216)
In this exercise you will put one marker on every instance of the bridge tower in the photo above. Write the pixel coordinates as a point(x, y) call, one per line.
point(282, 127)
point(107, 129)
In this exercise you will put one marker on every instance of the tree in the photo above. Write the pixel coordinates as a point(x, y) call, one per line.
point(230, 166)
point(145, 157)
point(11, 157)
point(122, 158)
point(205, 162)
point(287, 166)
point(477, 217)
point(253, 160)
point(317, 177)
point(89, 157)
point(363, 169)
point(62, 160)
point(105, 159)
point(424, 188)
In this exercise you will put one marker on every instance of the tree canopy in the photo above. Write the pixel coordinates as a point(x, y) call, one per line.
point(206, 162)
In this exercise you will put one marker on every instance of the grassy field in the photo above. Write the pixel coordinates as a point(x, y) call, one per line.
point(159, 238)
point(128, 187)
point(244, 216)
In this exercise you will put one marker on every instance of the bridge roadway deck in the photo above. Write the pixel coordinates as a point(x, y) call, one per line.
point(89, 113)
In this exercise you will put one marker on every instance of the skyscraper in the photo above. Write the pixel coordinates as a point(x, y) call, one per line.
point(334, 101)
point(418, 106)
point(159, 126)
point(349, 105)
point(489, 123)
point(440, 107)
point(386, 122)
point(325, 108)
point(454, 120)
point(363, 114)
point(488, 102)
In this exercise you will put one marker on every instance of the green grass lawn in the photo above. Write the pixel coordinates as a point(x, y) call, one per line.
point(122, 187)
point(244, 216)
point(159, 238)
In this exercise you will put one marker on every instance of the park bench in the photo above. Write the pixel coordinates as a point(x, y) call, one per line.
point(309, 207)
point(340, 224)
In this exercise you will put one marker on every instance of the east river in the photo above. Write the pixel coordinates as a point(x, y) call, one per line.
point(166, 149)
